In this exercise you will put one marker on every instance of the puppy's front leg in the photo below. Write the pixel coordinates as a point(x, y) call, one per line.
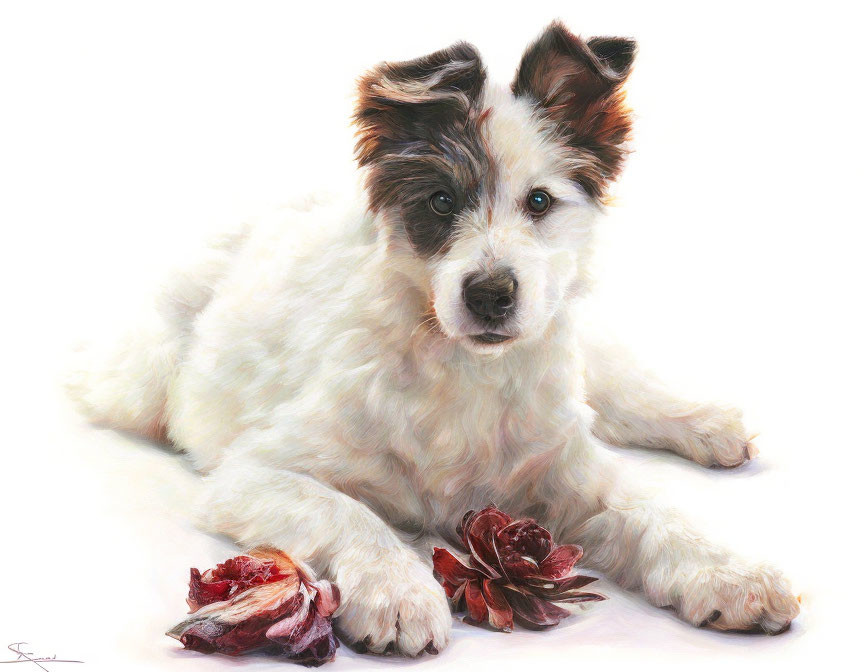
point(390, 600)
point(644, 546)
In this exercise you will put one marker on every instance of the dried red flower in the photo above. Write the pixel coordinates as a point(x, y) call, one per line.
point(514, 571)
point(260, 601)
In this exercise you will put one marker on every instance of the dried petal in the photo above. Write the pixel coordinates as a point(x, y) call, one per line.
point(456, 597)
point(479, 533)
point(466, 519)
point(205, 590)
point(452, 570)
point(533, 612)
point(477, 610)
point(266, 600)
point(500, 613)
point(238, 625)
point(559, 563)
point(327, 598)
point(306, 636)
point(549, 589)
point(577, 597)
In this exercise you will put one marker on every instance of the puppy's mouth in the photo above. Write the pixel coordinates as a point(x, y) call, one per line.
point(490, 338)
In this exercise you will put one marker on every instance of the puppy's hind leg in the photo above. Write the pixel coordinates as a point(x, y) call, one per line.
point(390, 599)
point(123, 381)
point(635, 409)
point(124, 384)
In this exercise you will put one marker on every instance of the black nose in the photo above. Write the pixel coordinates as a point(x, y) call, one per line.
point(490, 296)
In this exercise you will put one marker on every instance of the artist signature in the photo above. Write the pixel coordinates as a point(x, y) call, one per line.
point(24, 656)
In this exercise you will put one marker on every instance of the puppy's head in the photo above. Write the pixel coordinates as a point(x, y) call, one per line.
point(487, 194)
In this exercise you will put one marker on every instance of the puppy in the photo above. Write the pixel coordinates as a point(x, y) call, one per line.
point(352, 377)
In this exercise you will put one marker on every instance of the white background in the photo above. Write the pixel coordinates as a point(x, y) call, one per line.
point(732, 262)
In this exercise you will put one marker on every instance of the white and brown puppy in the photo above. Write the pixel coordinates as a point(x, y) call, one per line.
point(350, 377)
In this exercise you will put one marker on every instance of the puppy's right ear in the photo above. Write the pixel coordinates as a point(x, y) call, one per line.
point(400, 103)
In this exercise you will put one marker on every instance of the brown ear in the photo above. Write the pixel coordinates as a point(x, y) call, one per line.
point(577, 84)
point(415, 100)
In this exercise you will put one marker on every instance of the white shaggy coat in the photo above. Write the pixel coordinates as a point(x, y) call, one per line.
point(298, 365)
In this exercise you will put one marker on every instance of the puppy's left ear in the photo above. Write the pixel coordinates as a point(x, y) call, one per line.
point(577, 84)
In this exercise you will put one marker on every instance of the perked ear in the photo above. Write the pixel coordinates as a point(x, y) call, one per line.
point(415, 100)
point(577, 84)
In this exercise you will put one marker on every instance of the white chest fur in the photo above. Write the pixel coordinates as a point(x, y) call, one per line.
point(313, 350)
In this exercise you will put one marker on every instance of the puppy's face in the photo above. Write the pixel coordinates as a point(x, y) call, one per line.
point(492, 191)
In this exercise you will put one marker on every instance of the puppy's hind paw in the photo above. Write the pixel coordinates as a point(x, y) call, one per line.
point(395, 607)
point(715, 436)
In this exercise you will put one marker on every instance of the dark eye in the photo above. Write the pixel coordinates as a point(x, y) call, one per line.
point(441, 203)
point(538, 202)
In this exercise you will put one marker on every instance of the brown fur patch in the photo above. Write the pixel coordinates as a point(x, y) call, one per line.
point(577, 85)
point(419, 132)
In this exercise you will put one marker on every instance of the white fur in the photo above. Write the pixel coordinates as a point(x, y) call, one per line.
point(295, 367)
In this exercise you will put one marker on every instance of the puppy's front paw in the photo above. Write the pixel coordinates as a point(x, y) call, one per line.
point(739, 597)
point(714, 436)
point(395, 606)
